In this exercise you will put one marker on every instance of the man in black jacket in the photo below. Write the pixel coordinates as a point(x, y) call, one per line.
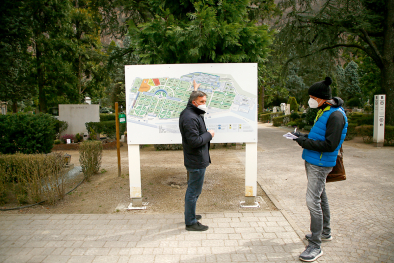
point(195, 141)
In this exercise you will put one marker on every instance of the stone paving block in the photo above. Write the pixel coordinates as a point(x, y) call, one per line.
point(212, 243)
point(142, 259)
point(224, 230)
point(79, 251)
point(167, 258)
point(221, 250)
point(105, 259)
point(179, 250)
point(56, 258)
point(80, 259)
point(17, 258)
point(223, 258)
point(97, 251)
point(115, 244)
point(192, 258)
point(37, 259)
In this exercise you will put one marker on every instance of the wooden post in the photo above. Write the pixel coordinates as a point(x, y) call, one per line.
point(117, 137)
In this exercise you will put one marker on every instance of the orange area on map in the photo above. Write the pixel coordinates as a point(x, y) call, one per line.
point(144, 85)
point(156, 81)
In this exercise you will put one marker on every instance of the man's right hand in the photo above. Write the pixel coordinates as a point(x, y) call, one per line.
point(212, 132)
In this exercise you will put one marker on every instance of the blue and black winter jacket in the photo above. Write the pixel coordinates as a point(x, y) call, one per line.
point(325, 139)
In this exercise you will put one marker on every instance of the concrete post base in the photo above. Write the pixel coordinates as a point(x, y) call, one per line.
point(249, 200)
point(379, 144)
point(137, 202)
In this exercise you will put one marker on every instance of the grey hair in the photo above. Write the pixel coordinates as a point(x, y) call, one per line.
point(196, 94)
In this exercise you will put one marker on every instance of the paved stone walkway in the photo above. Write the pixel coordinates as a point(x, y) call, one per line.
point(362, 207)
point(362, 211)
point(232, 237)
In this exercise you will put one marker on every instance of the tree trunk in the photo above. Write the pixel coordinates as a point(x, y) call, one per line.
point(388, 62)
point(40, 80)
point(14, 106)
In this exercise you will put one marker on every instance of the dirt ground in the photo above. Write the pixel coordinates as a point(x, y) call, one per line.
point(163, 185)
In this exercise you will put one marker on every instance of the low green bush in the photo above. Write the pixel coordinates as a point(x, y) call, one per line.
point(268, 117)
point(360, 118)
point(308, 127)
point(281, 120)
point(168, 147)
point(366, 131)
point(90, 154)
point(106, 127)
point(351, 131)
point(295, 116)
point(31, 178)
point(27, 133)
point(107, 117)
point(389, 135)
point(310, 116)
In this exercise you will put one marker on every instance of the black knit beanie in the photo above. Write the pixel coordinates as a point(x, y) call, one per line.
point(321, 89)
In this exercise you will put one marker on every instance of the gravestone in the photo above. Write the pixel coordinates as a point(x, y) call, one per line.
point(274, 110)
point(76, 115)
point(287, 111)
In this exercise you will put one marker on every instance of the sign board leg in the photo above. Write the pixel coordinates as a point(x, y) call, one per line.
point(250, 174)
point(135, 175)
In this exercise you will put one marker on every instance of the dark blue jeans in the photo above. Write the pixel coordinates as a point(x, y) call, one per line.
point(194, 188)
point(317, 202)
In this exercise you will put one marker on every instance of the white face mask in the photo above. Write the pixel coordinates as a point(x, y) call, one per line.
point(202, 107)
point(313, 103)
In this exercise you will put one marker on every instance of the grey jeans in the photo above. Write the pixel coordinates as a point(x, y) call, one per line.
point(317, 202)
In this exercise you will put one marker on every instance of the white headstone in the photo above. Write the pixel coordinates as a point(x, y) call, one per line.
point(287, 110)
point(76, 115)
point(379, 119)
point(283, 107)
point(274, 110)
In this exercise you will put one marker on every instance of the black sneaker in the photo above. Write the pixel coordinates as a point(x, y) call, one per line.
point(323, 237)
point(311, 254)
point(196, 227)
point(198, 217)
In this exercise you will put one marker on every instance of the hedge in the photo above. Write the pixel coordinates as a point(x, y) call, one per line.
point(351, 131)
point(27, 133)
point(366, 131)
point(107, 117)
point(278, 121)
point(360, 118)
point(31, 178)
point(268, 117)
point(106, 127)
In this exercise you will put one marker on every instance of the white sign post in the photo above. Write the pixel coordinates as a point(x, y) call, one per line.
point(157, 94)
point(379, 120)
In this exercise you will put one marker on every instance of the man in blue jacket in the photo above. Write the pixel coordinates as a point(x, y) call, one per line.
point(320, 152)
point(195, 141)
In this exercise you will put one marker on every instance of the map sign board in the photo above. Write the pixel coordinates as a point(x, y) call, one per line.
point(157, 94)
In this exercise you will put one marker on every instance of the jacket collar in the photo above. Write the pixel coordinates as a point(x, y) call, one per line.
point(194, 108)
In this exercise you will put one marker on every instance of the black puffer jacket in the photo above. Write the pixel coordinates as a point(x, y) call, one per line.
point(195, 137)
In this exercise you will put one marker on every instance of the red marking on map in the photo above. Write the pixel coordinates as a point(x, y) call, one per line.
point(156, 81)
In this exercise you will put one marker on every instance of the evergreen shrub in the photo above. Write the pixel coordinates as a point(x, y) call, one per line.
point(351, 131)
point(106, 127)
point(281, 120)
point(293, 104)
point(31, 178)
point(27, 133)
point(90, 154)
point(268, 117)
point(310, 116)
point(366, 131)
point(107, 117)
point(389, 135)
